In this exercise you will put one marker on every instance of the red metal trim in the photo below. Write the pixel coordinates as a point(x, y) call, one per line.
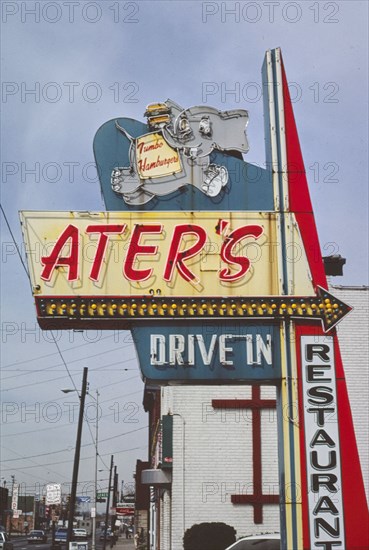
point(356, 512)
point(299, 197)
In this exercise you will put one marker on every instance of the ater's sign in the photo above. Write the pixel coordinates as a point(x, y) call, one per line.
point(123, 266)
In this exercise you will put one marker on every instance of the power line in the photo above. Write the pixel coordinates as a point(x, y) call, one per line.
point(69, 423)
point(83, 458)
point(61, 364)
point(56, 353)
point(68, 449)
point(24, 458)
point(63, 377)
point(15, 243)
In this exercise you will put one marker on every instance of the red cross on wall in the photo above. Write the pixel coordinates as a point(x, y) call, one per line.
point(257, 499)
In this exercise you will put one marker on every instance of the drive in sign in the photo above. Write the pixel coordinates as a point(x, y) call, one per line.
point(203, 351)
point(192, 237)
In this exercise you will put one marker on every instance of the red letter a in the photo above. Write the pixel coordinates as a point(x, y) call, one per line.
point(55, 260)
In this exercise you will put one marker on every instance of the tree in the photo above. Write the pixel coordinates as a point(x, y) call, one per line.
point(209, 536)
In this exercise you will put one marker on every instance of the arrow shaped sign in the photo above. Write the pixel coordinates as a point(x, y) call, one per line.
point(119, 312)
point(332, 310)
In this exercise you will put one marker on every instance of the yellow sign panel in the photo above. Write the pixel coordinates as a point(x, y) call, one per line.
point(155, 158)
point(164, 254)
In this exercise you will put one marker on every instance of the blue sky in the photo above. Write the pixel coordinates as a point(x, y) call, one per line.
point(88, 62)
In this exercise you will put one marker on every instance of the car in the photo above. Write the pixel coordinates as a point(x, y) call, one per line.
point(79, 534)
point(108, 534)
point(5, 543)
point(37, 536)
point(61, 534)
point(268, 541)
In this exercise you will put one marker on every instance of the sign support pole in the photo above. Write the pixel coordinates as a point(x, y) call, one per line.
point(276, 157)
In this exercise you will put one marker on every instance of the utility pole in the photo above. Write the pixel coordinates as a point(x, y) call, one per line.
point(11, 514)
point(115, 497)
point(73, 492)
point(94, 511)
point(107, 502)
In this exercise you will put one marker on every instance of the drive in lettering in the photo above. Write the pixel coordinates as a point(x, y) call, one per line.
point(180, 349)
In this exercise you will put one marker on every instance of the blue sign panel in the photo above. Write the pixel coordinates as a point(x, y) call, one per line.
point(201, 352)
point(83, 499)
point(249, 186)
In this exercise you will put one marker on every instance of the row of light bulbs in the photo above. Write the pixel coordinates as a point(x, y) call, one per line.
point(150, 307)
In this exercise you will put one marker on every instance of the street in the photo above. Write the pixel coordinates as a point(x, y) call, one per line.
point(22, 544)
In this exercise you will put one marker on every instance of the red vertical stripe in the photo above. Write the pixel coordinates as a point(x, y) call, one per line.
point(299, 197)
point(356, 514)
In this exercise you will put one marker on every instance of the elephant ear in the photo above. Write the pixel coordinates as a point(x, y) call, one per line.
point(227, 129)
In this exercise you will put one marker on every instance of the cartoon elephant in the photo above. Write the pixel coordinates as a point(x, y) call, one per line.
point(206, 128)
point(190, 136)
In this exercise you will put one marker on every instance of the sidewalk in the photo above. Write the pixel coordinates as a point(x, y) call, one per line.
point(123, 543)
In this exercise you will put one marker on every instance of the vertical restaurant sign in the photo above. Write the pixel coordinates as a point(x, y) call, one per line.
point(15, 493)
point(322, 443)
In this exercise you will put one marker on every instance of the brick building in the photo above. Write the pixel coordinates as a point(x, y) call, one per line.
point(215, 450)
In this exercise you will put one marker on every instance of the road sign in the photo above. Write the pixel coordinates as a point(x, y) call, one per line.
point(78, 546)
point(15, 492)
point(53, 494)
point(81, 500)
point(126, 499)
point(101, 495)
point(125, 510)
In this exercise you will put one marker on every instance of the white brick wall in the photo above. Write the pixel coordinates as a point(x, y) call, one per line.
point(217, 454)
point(212, 449)
point(354, 345)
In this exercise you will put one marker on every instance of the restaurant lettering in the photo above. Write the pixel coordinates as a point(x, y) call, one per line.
point(322, 444)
